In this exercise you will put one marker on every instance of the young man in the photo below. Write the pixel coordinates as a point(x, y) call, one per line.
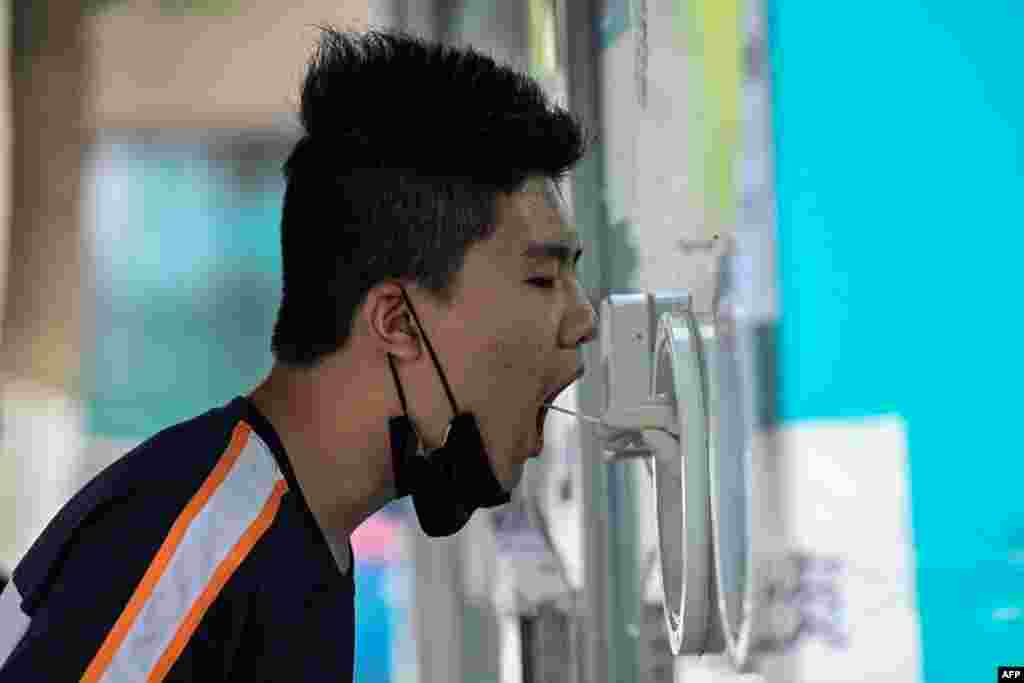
point(430, 305)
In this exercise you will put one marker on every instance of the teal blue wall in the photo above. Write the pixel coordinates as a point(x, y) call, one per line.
point(187, 260)
point(900, 169)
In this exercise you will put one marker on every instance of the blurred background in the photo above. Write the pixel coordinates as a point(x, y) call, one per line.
point(874, 188)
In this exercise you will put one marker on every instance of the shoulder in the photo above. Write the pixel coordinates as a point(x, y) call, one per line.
point(137, 558)
point(137, 498)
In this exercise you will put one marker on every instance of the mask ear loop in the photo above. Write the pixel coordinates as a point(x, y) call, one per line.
point(398, 385)
point(405, 408)
point(437, 364)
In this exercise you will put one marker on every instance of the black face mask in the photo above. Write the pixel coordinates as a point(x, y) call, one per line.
point(450, 483)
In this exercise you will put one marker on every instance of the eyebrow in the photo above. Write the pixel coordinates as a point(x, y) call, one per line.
point(562, 250)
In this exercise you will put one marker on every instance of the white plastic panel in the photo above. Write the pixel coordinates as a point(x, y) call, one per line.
point(626, 353)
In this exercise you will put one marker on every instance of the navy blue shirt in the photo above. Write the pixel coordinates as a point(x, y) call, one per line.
point(192, 557)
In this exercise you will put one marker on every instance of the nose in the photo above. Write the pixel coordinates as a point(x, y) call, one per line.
point(585, 319)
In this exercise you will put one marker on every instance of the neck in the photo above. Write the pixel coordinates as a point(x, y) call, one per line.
point(334, 429)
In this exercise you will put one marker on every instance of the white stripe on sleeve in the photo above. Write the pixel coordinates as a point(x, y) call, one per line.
point(13, 622)
point(211, 535)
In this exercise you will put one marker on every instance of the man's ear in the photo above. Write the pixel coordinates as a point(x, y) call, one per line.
point(389, 323)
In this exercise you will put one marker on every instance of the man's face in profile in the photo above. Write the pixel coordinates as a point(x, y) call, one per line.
point(511, 335)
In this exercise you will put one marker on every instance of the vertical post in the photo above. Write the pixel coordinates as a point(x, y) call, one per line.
point(42, 311)
point(597, 655)
point(42, 321)
point(438, 614)
point(9, 472)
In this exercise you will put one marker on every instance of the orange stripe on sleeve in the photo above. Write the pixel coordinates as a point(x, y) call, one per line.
point(124, 623)
point(220, 577)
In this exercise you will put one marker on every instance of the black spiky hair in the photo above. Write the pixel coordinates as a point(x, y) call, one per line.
point(407, 145)
point(390, 99)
